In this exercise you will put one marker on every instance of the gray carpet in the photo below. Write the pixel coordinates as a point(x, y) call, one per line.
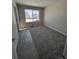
point(44, 44)
point(26, 48)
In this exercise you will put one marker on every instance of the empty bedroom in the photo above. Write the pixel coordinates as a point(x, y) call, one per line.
point(39, 29)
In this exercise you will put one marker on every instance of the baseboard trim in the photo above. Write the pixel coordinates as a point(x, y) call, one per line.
point(65, 34)
point(23, 29)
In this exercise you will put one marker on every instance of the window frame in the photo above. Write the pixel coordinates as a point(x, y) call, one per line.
point(32, 19)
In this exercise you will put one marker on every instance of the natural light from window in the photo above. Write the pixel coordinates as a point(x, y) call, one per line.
point(31, 15)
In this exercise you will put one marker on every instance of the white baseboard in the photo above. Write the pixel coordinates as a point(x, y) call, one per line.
point(23, 29)
point(57, 30)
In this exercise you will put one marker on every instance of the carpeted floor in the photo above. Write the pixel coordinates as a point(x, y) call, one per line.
point(40, 43)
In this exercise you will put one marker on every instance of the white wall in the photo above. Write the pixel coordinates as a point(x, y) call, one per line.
point(56, 17)
point(14, 27)
point(14, 33)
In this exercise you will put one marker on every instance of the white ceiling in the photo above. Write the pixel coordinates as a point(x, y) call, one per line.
point(41, 3)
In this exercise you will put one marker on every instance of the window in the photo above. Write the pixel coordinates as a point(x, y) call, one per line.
point(31, 15)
